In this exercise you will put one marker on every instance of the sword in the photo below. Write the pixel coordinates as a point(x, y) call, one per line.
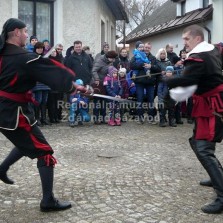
point(146, 75)
point(49, 52)
point(109, 98)
point(149, 75)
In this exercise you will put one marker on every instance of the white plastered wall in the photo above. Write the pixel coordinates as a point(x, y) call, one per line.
point(217, 33)
point(82, 21)
point(58, 22)
point(161, 40)
point(9, 9)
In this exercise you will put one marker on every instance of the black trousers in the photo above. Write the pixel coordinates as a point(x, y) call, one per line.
point(53, 105)
point(205, 152)
point(28, 139)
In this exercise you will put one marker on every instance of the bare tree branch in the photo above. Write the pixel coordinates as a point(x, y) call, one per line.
point(137, 11)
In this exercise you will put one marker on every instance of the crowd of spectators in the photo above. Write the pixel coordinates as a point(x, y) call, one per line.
point(140, 79)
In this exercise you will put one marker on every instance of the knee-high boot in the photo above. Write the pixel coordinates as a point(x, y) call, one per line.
point(162, 113)
point(171, 117)
point(49, 202)
point(13, 156)
point(43, 115)
point(204, 151)
point(37, 115)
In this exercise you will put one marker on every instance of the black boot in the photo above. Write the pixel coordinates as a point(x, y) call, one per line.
point(37, 115)
point(204, 151)
point(162, 122)
point(177, 114)
point(172, 122)
point(216, 207)
point(206, 183)
point(179, 121)
point(43, 115)
point(162, 113)
point(49, 202)
point(13, 156)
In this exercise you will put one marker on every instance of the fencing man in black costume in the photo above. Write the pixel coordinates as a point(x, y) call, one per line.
point(19, 72)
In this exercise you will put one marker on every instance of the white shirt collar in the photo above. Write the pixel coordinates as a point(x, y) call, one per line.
point(201, 47)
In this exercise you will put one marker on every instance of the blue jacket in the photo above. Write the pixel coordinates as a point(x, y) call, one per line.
point(79, 99)
point(113, 86)
point(140, 56)
point(29, 47)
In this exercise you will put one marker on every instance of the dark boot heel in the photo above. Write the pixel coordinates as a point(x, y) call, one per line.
point(54, 205)
point(13, 157)
point(5, 179)
point(49, 202)
point(206, 183)
point(216, 207)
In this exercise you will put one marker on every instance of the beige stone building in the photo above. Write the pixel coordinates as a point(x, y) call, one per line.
point(64, 21)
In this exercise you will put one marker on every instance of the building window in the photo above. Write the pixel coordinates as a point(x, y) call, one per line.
point(183, 8)
point(205, 3)
point(38, 16)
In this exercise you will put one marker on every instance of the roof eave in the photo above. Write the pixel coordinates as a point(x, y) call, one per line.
point(176, 1)
point(161, 31)
point(206, 17)
point(117, 10)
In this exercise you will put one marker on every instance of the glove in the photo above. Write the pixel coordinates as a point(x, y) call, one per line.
point(182, 93)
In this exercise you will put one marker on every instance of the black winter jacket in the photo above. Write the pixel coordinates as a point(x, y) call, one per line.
point(81, 65)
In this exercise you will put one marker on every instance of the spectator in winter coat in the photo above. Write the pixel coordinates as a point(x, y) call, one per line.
point(47, 46)
point(40, 92)
point(105, 49)
point(86, 49)
point(170, 53)
point(69, 52)
point(32, 41)
point(99, 71)
point(80, 63)
point(125, 94)
point(140, 58)
point(168, 104)
point(178, 69)
point(123, 60)
point(124, 83)
point(54, 97)
point(114, 89)
point(78, 108)
point(147, 84)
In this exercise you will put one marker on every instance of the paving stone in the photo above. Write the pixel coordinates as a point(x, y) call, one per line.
point(154, 178)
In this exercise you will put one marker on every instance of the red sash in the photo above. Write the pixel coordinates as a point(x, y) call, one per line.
point(19, 97)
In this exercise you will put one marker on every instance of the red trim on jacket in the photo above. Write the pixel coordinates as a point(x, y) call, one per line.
point(194, 59)
point(203, 108)
point(13, 81)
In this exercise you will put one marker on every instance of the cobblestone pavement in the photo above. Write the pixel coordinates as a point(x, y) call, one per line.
point(153, 178)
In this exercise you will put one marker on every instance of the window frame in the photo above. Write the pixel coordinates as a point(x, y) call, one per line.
point(206, 3)
point(183, 8)
point(51, 4)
